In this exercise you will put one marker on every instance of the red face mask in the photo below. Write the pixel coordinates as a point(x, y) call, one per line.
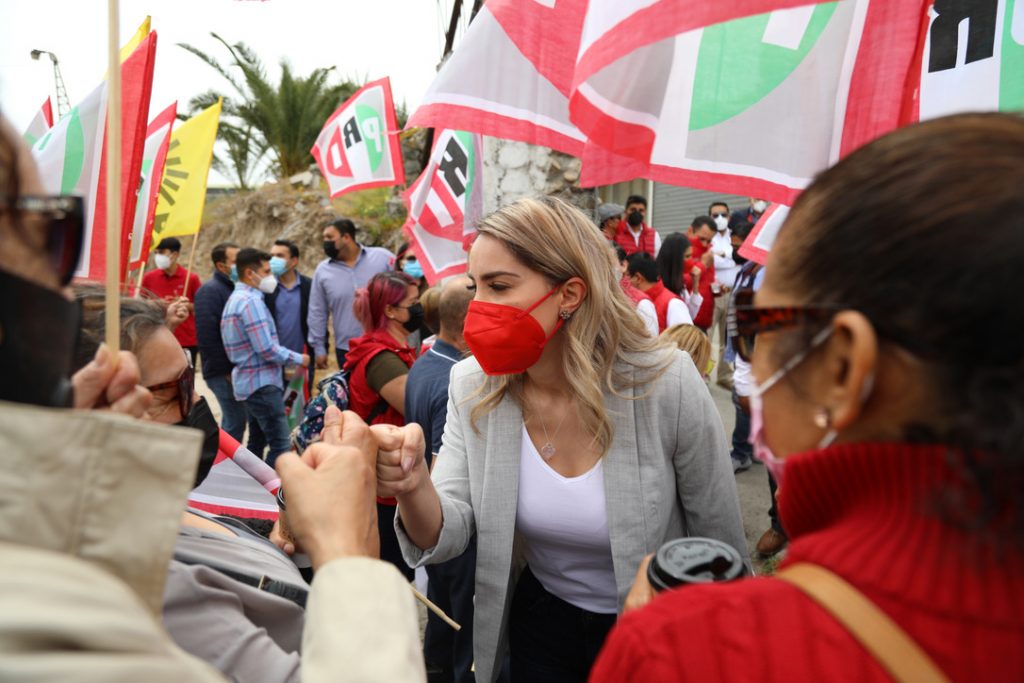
point(504, 339)
point(698, 247)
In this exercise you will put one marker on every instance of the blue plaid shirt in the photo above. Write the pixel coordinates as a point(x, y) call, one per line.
point(250, 340)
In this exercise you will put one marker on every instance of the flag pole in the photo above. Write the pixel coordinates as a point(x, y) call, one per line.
point(113, 293)
point(191, 260)
point(138, 285)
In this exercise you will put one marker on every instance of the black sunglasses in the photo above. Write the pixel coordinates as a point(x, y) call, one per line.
point(744, 321)
point(185, 383)
point(64, 218)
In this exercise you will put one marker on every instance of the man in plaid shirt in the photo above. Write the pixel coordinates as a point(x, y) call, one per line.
point(250, 340)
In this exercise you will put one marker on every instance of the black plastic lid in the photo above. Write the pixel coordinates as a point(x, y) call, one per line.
point(694, 560)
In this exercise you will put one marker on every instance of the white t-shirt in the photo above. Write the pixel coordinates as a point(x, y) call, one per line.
point(649, 314)
point(725, 267)
point(564, 522)
point(678, 313)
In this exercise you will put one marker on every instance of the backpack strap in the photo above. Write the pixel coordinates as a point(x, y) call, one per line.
point(882, 637)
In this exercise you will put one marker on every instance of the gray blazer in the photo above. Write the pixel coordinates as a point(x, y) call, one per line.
point(666, 475)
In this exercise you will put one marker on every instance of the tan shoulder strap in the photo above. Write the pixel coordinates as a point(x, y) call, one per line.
point(884, 639)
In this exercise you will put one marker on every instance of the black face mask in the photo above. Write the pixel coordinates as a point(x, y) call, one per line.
point(202, 419)
point(415, 318)
point(634, 219)
point(38, 331)
point(737, 259)
point(331, 249)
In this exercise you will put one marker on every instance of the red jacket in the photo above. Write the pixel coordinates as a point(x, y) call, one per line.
point(362, 399)
point(661, 298)
point(866, 512)
point(706, 313)
point(624, 239)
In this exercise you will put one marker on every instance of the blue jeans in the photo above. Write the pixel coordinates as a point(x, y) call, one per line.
point(265, 407)
point(741, 448)
point(232, 412)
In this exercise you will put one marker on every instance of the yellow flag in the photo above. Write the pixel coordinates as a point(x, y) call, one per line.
point(140, 35)
point(179, 210)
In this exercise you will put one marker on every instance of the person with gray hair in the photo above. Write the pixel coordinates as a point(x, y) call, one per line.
point(609, 216)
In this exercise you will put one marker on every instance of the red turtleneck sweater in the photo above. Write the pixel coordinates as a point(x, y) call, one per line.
point(864, 511)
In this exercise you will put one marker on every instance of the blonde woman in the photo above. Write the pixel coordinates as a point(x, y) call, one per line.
point(691, 339)
point(575, 444)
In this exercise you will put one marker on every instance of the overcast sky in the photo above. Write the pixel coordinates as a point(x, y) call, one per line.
point(364, 39)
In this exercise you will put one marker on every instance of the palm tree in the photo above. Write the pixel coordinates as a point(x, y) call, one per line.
point(282, 120)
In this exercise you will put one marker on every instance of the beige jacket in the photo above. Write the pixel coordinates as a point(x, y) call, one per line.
point(89, 511)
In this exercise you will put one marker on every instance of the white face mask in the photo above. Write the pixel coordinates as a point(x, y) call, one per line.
point(762, 451)
point(268, 284)
point(162, 261)
point(722, 222)
point(760, 205)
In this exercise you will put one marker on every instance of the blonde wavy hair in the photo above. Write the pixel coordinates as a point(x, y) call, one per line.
point(691, 339)
point(606, 341)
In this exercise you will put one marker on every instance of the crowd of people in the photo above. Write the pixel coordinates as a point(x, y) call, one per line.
point(532, 433)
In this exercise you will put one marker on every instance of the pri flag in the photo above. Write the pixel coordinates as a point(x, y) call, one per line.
point(445, 204)
point(751, 96)
point(41, 123)
point(72, 157)
point(154, 154)
point(239, 484)
point(179, 209)
point(358, 147)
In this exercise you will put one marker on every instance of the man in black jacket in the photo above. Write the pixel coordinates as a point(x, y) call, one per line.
point(289, 303)
point(209, 305)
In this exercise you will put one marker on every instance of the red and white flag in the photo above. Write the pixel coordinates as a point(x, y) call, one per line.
point(239, 483)
point(445, 204)
point(40, 124)
point(72, 157)
point(358, 147)
point(154, 154)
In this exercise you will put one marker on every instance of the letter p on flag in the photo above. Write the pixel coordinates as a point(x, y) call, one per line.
point(362, 155)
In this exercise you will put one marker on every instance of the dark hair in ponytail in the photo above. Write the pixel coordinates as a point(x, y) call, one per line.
point(921, 231)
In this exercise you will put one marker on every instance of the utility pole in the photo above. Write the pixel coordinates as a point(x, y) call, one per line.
point(63, 104)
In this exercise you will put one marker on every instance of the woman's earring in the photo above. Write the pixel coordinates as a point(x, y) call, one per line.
point(823, 418)
point(564, 315)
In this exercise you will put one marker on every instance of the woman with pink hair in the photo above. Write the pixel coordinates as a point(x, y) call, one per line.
point(378, 363)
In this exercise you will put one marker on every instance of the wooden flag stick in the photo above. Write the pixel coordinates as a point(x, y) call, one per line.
point(435, 609)
point(138, 285)
point(113, 300)
point(191, 260)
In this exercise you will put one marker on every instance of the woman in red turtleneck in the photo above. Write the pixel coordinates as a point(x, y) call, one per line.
point(892, 405)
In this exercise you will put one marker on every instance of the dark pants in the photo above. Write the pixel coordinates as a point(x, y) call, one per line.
point(340, 355)
point(550, 640)
point(773, 511)
point(267, 424)
point(741, 448)
point(232, 412)
point(449, 653)
point(389, 548)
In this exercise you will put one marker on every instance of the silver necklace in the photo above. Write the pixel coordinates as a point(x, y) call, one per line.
point(547, 451)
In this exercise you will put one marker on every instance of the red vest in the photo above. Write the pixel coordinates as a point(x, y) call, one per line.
point(634, 294)
point(661, 297)
point(625, 239)
point(361, 398)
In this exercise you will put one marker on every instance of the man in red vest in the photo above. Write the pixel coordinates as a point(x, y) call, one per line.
point(634, 234)
point(643, 274)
